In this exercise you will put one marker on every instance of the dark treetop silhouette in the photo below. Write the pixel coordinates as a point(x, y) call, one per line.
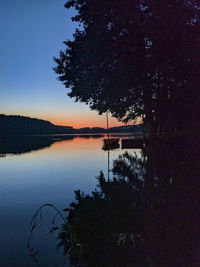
point(136, 58)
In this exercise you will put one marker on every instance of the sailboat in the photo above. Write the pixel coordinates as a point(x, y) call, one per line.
point(110, 143)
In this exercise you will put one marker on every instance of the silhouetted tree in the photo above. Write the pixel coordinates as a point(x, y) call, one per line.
point(135, 58)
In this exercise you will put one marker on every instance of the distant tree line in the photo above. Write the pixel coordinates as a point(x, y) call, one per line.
point(12, 124)
point(21, 125)
point(136, 59)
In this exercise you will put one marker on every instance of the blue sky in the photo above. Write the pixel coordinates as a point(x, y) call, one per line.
point(32, 32)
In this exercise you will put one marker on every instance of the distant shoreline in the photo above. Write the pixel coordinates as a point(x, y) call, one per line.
point(21, 125)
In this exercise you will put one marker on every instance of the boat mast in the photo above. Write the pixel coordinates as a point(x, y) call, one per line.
point(108, 165)
point(107, 125)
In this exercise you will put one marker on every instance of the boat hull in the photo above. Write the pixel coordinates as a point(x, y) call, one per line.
point(110, 143)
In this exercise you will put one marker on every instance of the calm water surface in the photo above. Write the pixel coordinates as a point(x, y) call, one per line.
point(47, 174)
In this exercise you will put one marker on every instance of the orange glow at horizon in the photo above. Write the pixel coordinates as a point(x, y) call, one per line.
point(74, 118)
point(82, 122)
point(79, 125)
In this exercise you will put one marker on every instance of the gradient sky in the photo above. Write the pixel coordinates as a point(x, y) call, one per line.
point(32, 32)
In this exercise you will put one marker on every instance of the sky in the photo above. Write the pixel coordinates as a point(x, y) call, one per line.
point(32, 32)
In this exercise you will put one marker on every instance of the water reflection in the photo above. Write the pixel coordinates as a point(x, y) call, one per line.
point(146, 214)
point(23, 144)
point(107, 227)
point(16, 145)
point(20, 144)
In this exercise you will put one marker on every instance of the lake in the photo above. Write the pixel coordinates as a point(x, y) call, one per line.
point(35, 170)
point(144, 212)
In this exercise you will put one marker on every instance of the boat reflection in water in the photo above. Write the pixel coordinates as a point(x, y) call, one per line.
point(146, 214)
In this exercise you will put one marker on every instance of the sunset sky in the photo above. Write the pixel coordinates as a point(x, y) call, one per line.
point(32, 32)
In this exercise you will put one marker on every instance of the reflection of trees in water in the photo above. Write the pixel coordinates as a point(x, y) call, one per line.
point(146, 215)
point(107, 227)
point(18, 144)
point(24, 144)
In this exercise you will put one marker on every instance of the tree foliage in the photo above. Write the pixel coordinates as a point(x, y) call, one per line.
point(135, 58)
